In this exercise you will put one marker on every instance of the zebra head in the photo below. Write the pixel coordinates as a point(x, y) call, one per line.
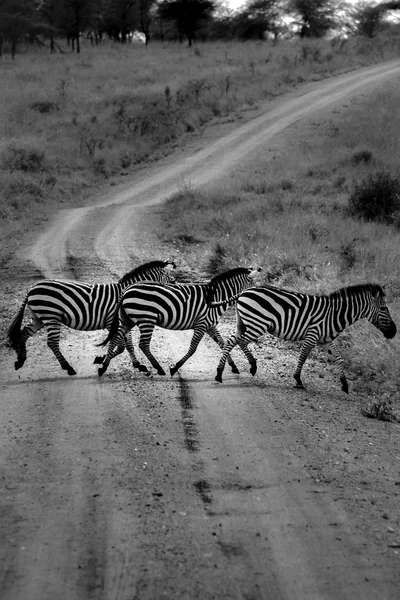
point(168, 268)
point(378, 312)
point(227, 285)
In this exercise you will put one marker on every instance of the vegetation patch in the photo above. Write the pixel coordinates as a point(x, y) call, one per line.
point(382, 410)
point(377, 198)
point(23, 157)
point(309, 241)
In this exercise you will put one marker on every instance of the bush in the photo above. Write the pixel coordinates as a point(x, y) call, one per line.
point(44, 106)
point(376, 198)
point(217, 260)
point(363, 155)
point(23, 158)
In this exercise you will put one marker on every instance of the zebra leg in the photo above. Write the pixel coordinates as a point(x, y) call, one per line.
point(228, 347)
point(217, 338)
point(98, 360)
point(53, 342)
point(130, 347)
point(243, 345)
point(116, 346)
point(146, 331)
point(338, 360)
point(310, 341)
point(26, 333)
point(196, 339)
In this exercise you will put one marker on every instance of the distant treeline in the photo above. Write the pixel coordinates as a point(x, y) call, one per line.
point(45, 21)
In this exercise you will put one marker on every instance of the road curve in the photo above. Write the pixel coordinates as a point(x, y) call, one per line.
point(114, 213)
point(154, 488)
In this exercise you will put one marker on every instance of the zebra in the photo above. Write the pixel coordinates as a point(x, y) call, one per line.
point(81, 306)
point(178, 307)
point(307, 318)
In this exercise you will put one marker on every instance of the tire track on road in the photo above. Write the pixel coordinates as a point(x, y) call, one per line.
point(207, 165)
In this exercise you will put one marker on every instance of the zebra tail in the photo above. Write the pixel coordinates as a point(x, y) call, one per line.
point(14, 331)
point(115, 324)
point(225, 303)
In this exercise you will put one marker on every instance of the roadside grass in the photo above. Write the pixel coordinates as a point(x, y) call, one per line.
point(69, 122)
point(290, 214)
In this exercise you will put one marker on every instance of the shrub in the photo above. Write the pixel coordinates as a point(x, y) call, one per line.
point(376, 198)
point(348, 255)
point(21, 186)
point(217, 260)
point(363, 155)
point(23, 158)
point(44, 106)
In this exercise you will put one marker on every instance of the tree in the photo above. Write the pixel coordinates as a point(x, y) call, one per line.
point(18, 19)
point(76, 16)
point(258, 18)
point(50, 13)
point(187, 15)
point(145, 17)
point(316, 16)
point(121, 19)
point(368, 19)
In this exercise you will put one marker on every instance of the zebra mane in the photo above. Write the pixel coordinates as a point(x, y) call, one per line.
point(374, 288)
point(139, 271)
point(227, 275)
point(221, 278)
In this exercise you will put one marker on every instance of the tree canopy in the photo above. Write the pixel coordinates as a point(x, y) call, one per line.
point(38, 20)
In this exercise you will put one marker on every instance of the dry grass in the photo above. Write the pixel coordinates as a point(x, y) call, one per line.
point(291, 216)
point(69, 122)
point(100, 114)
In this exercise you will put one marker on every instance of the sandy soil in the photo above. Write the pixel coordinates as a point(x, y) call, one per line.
point(134, 487)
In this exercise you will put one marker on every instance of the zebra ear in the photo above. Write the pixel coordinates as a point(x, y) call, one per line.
point(377, 291)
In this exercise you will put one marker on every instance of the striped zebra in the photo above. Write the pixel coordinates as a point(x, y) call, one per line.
point(178, 307)
point(310, 319)
point(80, 306)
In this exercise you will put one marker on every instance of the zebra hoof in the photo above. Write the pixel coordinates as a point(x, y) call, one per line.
point(101, 371)
point(235, 370)
point(160, 372)
point(345, 387)
point(143, 369)
point(218, 376)
point(19, 363)
point(98, 360)
point(172, 371)
point(299, 384)
point(253, 369)
point(71, 371)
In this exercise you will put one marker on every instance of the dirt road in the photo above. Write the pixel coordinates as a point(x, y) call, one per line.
point(147, 488)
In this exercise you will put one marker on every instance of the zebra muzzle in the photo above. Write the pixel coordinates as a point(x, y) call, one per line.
point(390, 331)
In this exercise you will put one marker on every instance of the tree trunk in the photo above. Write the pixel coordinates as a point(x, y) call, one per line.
point(13, 46)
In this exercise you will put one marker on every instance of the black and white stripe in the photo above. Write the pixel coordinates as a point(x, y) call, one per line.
point(178, 307)
point(77, 305)
point(303, 317)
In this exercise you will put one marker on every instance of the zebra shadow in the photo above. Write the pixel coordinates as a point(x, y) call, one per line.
point(60, 380)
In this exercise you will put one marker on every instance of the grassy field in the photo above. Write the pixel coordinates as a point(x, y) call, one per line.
point(70, 123)
point(289, 212)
